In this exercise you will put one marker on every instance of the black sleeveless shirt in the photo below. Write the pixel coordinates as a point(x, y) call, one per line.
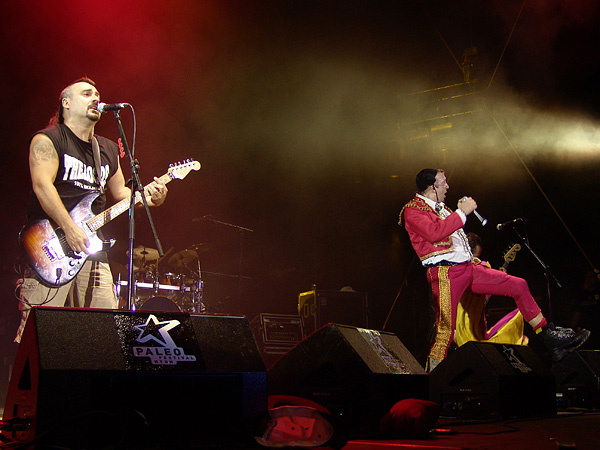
point(75, 177)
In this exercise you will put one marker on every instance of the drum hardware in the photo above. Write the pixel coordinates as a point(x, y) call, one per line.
point(184, 257)
point(145, 274)
point(158, 261)
point(172, 286)
point(200, 301)
point(200, 248)
point(154, 286)
point(141, 253)
point(170, 278)
point(182, 295)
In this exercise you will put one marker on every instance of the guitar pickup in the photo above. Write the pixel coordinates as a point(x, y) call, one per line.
point(53, 249)
point(50, 254)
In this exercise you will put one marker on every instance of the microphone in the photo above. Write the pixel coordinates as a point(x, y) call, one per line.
point(510, 222)
point(104, 107)
point(481, 219)
point(479, 216)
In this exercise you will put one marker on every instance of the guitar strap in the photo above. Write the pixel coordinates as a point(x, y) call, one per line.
point(97, 164)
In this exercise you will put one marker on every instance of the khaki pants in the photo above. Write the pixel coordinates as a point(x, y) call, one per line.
point(93, 287)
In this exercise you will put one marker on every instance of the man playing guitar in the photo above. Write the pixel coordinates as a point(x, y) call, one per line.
point(67, 162)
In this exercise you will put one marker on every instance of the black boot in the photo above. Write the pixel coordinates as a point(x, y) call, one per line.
point(562, 341)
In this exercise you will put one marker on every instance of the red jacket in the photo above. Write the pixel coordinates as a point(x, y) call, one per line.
point(428, 232)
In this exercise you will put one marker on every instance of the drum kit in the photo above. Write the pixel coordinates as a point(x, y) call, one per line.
point(177, 289)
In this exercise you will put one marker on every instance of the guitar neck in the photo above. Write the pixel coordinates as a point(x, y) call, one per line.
point(98, 221)
point(510, 256)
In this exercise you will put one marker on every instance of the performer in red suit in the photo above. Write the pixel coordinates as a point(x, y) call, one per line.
point(437, 235)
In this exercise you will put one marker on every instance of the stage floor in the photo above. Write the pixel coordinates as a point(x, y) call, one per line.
point(567, 430)
point(573, 430)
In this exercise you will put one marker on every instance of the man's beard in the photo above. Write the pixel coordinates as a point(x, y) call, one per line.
point(93, 117)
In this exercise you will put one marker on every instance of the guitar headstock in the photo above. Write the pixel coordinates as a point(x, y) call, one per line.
point(511, 253)
point(180, 170)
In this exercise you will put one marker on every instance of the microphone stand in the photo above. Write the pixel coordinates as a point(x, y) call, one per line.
point(547, 273)
point(136, 189)
point(241, 231)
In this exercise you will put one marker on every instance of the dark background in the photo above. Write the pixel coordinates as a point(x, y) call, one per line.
point(311, 119)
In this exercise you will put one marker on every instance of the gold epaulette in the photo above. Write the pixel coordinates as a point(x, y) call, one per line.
point(418, 203)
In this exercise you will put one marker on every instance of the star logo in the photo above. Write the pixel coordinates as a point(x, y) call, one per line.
point(514, 361)
point(153, 330)
point(157, 332)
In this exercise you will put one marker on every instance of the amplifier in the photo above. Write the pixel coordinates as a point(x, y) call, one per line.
point(277, 333)
point(320, 307)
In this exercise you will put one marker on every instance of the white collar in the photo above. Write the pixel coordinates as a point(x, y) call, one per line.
point(436, 206)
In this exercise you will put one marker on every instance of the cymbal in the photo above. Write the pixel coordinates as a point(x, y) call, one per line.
point(200, 248)
point(183, 257)
point(145, 253)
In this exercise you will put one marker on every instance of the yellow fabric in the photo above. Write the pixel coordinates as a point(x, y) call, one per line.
point(471, 326)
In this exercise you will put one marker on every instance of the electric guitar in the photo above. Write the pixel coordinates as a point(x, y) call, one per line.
point(510, 256)
point(45, 246)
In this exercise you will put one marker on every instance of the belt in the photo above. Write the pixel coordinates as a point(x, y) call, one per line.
point(445, 263)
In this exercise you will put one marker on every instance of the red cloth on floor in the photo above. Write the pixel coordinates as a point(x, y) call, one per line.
point(410, 418)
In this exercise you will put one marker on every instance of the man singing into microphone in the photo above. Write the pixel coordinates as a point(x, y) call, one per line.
point(437, 235)
point(67, 162)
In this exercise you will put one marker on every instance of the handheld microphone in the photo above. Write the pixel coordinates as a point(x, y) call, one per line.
point(104, 107)
point(481, 219)
point(479, 216)
point(510, 222)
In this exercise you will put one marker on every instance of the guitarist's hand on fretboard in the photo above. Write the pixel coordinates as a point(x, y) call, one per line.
point(156, 192)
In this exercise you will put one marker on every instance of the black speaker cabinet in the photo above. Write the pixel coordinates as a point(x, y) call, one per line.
point(319, 307)
point(98, 377)
point(578, 380)
point(356, 373)
point(488, 380)
point(276, 334)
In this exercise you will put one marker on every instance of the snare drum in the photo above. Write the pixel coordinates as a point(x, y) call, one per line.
point(158, 304)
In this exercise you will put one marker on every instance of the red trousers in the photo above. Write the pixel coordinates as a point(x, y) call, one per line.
point(448, 285)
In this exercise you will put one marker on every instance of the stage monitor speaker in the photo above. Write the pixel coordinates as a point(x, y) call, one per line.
point(357, 374)
point(488, 380)
point(578, 380)
point(320, 307)
point(94, 378)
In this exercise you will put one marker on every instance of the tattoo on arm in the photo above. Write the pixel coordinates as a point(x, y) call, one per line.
point(43, 152)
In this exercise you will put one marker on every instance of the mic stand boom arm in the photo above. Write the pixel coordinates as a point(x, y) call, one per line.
point(136, 187)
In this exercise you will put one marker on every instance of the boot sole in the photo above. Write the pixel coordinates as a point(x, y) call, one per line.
point(577, 341)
